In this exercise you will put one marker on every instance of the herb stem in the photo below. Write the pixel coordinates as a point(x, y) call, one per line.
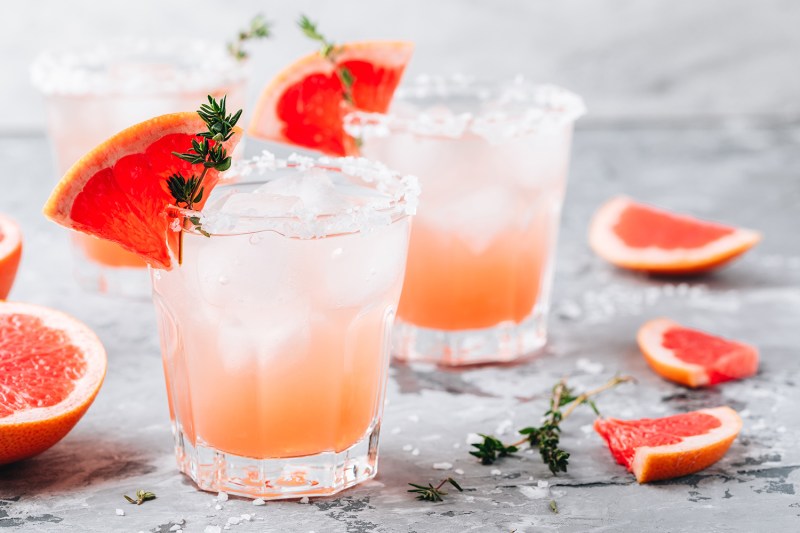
point(582, 398)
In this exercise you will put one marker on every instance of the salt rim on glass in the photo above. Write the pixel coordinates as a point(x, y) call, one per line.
point(370, 195)
point(451, 106)
point(136, 66)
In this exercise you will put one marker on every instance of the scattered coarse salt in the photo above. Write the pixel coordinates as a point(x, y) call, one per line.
point(496, 472)
point(222, 497)
point(474, 438)
point(542, 484)
point(442, 466)
point(503, 427)
point(120, 512)
point(534, 493)
point(259, 501)
point(212, 529)
point(175, 527)
point(408, 448)
point(589, 367)
point(234, 520)
point(456, 445)
point(459, 471)
point(587, 428)
point(395, 431)
point(218, 507)
point(304, 499)
point(246, 517)
point(413, 418)
point(415, 451)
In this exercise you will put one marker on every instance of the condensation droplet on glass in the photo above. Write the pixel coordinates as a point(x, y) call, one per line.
point(337, 252)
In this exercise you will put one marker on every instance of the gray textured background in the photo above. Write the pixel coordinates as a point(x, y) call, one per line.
point(692, 105)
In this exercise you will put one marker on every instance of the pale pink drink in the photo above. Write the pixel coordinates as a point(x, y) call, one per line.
point(92, 94)
point(492, 160)
point(275, 328)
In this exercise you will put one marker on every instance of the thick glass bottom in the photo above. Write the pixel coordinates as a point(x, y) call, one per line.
point(321, 474)
point(503, 343)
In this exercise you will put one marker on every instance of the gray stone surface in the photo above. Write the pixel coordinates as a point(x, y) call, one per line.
point(743, 175)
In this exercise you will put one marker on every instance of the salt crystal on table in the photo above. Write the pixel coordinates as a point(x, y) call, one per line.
point(212, 529)
point(176, 527)
point(408, 448)
point(415, 451)
point(589, 367)
point(459, 471)
point(218, 507)
point(120, 512)
point(304, 499)
point(542, 483)
point(442, 466)
point(474, 438)
point(234, 520)
point(222, 497)
point(395, 431)
point(413, 418)
point(259, 501)
point(456, 445)
point(496, 472)
point(503, 426)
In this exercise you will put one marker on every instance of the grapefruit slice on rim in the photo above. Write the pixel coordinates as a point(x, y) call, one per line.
point(694, 358)
point(51, 367)
point(673, 446)
point(118, 191)
point(304, 104)
point(10, 253)
point(638, 236)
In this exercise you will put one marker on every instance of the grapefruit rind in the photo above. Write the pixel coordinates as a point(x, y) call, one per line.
point(692, 454)
point(665, 363)
point(265, 123)
point(30, 432)
point(10, 253)
point(607, 244)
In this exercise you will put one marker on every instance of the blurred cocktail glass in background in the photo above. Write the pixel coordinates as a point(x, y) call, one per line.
point(492, 159)
point(93, 93)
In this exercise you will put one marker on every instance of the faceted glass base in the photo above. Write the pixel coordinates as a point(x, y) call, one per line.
point(505, 342)
point(322, 474)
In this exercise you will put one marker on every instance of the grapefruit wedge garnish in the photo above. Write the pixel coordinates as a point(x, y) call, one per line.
point(10, 253)
point(305, 105)
point(673, 446)
point(694, 358)
point(638, 236)
point(51, 367)
point(118, 191)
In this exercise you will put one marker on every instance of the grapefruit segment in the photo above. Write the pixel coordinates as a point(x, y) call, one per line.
point(118, 191)
point(637, 236)
point(10, 253)
point(694, 358)
point(673, 446)
point(51, 368)
point(304, 105)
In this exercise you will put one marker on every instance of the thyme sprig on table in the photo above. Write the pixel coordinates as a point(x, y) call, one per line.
point(546, 436)
point(141, 497)
point(433, 494)
point(259, 28)
point(329, 51)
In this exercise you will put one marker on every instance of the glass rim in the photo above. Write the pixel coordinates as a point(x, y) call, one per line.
point(403, 191)
point(83, 71)
point(537, 104)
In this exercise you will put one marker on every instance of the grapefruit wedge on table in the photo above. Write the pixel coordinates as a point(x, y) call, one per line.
point(694, 358)
point(638, 236)
point(51, 367)
point(305, 104)
point(118, 191)
point(673, 446)
point(10, 253)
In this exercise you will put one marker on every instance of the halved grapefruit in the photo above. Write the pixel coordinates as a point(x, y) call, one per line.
point(118, 191)
point(10, 253)
point(694, 358)
point(51, 367)
point(673, 446)
point(638, 236)
point(304, 105)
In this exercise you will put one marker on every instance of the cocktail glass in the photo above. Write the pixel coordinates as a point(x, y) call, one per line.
point(275, 327)
point(492, 160)
point(92, 94)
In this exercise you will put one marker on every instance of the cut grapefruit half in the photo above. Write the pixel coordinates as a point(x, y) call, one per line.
point(304, 104)
point(118, 191)
point(673, 446)
point(694, 358)
point(51, 367)
point(10, 253)
point(638, 236)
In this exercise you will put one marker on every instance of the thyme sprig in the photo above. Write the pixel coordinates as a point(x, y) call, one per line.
point(546, 436)
point(433, 494)
point(259, 28)
point(141, 497)
point(329, 51)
